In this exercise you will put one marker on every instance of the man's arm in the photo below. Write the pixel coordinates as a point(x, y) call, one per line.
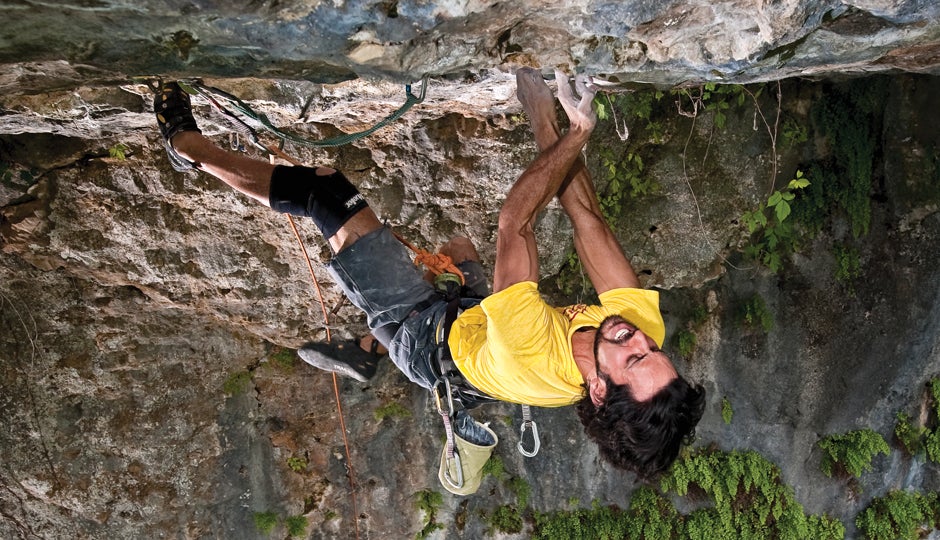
point(606, 265)
point(516, 252)
point(600, 252)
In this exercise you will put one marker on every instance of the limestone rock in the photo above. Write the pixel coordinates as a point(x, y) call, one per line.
point(147, 318)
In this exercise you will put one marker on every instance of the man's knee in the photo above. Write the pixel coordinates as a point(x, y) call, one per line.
point(460, 249)
point(323, 194)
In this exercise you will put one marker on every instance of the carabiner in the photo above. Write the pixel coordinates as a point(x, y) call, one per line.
point(536, 442)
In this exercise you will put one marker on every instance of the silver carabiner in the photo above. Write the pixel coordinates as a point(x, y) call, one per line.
point(439, 401)
point(456, 458)
point(526, 422)
point(536, 442)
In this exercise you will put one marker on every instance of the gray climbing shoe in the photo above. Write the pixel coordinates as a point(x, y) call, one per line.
point(174, 113)
point(345, 358)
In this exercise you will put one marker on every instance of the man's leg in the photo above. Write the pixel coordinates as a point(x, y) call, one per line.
point(322, 194)
point(253, 178)
point(337, 207)
point(599, 250)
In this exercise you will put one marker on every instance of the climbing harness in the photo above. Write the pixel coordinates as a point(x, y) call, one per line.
point(453, 394)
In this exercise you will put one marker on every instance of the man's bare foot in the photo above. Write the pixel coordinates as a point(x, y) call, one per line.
point(580, 111)
point(538, 102)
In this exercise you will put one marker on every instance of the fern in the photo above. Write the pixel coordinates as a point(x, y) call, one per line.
point(852, 452)
point(726, 411)
point(750, 500)
point(934, 387)
point(910, 436)
point(932, 445)
point(899, 515)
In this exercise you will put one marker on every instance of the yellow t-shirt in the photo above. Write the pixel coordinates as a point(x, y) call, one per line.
point(517, 348)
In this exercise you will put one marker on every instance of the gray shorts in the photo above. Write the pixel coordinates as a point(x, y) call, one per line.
point(377, 275)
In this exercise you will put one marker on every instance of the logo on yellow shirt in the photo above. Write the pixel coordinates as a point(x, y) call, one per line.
point(573, 311)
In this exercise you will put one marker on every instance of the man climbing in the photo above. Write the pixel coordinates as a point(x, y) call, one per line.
point(511, 345)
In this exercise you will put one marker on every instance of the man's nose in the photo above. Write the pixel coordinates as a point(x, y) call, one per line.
point(639, 341)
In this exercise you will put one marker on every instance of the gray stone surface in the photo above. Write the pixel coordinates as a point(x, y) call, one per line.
point(133, 297)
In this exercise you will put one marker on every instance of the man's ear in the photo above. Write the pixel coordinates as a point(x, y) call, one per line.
point(598, 391)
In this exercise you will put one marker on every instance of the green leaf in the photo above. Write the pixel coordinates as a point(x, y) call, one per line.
point(798, 183)
point(719, 120)
point(783, 210)
point(771, 240)
point(774, 199)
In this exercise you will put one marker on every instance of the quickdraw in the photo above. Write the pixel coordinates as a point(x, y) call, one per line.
point(215, 97)
point(447, 414)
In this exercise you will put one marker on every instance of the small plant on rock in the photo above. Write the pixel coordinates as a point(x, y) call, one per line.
point(754, 314)
point(237, 383)
point(506, 519)
point(771, 233)
point(429, 502)
point(265, 522)
point(297, 464)
point(848, 266)
point(391, 410)
point(910, 437)
point(119, 151)
point(296, 526)
point(726, 412)
point(900, 515)
point(852, 452)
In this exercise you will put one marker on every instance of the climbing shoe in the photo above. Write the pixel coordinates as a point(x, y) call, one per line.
point(345, 358)
point(174, 115)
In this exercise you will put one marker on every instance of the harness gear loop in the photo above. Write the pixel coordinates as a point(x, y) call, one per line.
point(526, 423)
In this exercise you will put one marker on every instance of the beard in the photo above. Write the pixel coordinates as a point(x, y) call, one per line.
point(599, 337)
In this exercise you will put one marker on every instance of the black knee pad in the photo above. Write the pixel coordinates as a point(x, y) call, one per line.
point(328, 200)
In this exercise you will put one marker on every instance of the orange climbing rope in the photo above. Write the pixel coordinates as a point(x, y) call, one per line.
point(437, 263)
point(326, 324)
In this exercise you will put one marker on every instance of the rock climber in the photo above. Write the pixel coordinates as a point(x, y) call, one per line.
point(509, 345)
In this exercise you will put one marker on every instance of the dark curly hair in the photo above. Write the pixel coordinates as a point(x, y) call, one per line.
point(643, 437)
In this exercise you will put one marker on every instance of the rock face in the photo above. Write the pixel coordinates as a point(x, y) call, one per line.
point(147, 318)
point(637, 40)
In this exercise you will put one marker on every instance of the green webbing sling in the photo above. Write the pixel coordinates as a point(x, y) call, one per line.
point(215, 96)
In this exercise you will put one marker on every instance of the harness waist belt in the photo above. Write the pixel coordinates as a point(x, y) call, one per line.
point(445, 368)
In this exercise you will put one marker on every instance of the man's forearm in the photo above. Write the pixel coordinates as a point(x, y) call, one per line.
point(542, 180)
point(601, 255)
